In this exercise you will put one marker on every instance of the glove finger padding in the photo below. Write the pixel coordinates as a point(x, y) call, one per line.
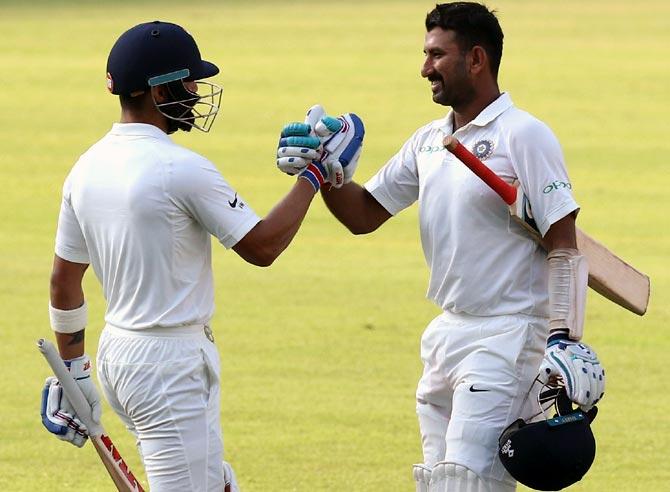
point(327, 126)
point(292, 165)
point(56, 417)
point(296, 148)
point(296, 129)
point(313, 116)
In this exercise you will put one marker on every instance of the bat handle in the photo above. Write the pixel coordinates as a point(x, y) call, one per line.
point(505, 190)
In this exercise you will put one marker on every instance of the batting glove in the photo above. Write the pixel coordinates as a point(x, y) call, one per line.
point(64, 425)
point(57, 410)
point(342, 144)
point(297, 148)
point(299, 153)
point(578, 367)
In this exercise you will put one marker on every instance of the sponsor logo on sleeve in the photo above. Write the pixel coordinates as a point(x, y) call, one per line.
point(556, 185)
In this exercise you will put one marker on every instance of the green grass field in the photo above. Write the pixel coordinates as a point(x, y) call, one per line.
point(320, 351)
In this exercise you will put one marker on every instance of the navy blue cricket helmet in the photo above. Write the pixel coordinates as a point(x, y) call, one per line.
point(154, 53)
point(550, 454)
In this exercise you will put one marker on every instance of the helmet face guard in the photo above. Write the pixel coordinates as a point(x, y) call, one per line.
point(553, 453)
point(185, 109)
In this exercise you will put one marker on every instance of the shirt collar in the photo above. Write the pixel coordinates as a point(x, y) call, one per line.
point(138, 130)
point(488, 114)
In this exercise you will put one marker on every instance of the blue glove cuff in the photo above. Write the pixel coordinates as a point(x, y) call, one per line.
point(558, 337)
point(315, 173)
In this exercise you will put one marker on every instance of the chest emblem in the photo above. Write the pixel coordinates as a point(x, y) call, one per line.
point(483, 149)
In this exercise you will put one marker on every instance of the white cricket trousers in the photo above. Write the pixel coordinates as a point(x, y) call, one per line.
point(164, 385)
point(476, 380)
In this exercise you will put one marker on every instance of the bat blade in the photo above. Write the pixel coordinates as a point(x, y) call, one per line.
point(609, 275)
point(117, 468)
point(613, 278)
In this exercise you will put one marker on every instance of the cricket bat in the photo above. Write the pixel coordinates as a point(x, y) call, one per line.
point(117, 468)
point(609, 275)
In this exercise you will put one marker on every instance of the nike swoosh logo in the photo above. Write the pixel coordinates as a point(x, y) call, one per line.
point(234, 202)
point(475, 390)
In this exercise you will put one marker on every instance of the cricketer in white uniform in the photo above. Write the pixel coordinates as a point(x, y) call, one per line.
point(482, 354)
point(491, 279)
point(140, 209)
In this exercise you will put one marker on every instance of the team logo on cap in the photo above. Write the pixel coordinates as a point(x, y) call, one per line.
point(483, 149)
point(110, 82)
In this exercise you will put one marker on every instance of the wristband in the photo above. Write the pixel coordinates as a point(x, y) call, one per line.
point(315, 174)
point(68, 320)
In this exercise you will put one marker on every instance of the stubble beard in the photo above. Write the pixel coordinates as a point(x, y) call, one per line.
point(458, 93)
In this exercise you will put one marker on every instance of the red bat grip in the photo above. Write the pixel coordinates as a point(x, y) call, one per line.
point(506, 191)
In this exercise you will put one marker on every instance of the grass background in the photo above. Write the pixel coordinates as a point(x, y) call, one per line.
point(320, 351)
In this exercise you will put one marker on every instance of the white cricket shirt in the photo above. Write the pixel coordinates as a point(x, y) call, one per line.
point(140, 209)
point(481, 262)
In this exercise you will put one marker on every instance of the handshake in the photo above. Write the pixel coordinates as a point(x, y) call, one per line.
point(323, 149)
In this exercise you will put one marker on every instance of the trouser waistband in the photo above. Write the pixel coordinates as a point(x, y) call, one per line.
point(162, 331)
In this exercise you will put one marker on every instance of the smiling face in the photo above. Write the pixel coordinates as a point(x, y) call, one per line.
point(447, 68)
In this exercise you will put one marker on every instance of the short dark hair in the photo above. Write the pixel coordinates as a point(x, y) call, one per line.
point(132, 103)
point(474, 25)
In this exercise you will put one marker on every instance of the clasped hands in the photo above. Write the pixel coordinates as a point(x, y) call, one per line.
point(323, 149)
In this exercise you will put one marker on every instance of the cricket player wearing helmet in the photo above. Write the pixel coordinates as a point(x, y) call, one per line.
point(509, 309)
point(140, 209)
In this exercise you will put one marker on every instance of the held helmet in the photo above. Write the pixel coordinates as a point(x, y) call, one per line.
point(553, 453)
point(157, 53)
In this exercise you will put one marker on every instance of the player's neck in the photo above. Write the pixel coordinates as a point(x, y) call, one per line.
point(466, 113)
point(147, 117)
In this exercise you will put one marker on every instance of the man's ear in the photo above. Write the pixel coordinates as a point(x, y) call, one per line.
point(160, 93)
point(479, 60)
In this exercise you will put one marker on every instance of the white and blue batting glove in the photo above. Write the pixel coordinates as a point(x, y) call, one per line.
point(340, 143)
point(64, 425)
point(297, 148)
point(58, 416)
point(578, 367)
point(299, 152)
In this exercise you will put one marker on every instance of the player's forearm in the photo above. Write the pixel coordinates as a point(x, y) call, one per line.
point(355, 208)
point(568, 278)
point(67, 309)
point(70, 345)
point(561, 234)
point(272, 235)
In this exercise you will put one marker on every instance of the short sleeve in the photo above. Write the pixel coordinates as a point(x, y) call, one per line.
point(538, 161)
point(70, 242)
point(396, 185)
point(199, 189)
